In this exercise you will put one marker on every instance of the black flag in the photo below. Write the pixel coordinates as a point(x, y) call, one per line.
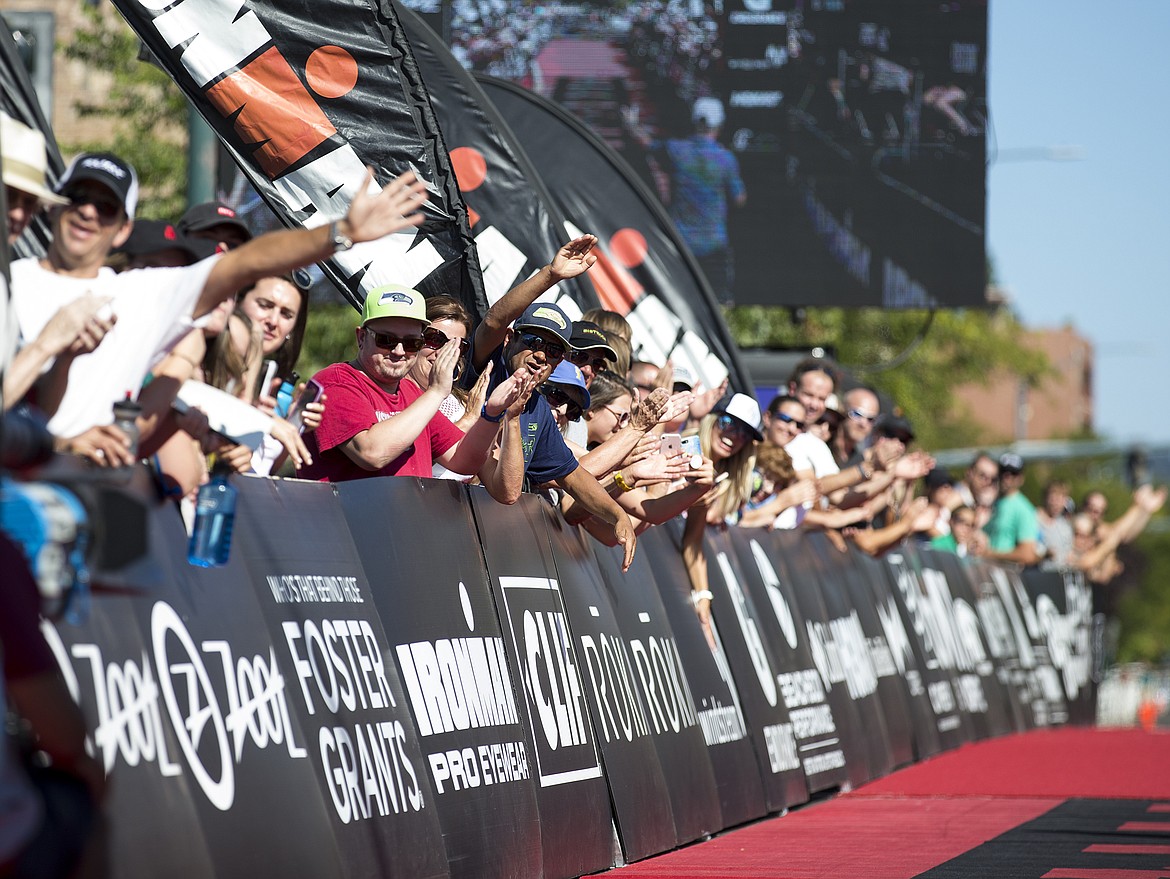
point(304, 96)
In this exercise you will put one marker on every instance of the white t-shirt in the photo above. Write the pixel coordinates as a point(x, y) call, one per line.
point(809, 453)
point(153, 307)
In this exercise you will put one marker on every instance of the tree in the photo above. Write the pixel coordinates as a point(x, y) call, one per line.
point(146, 110)
point(956, 347)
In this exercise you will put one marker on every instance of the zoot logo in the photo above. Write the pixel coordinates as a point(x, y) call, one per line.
point(126, 698)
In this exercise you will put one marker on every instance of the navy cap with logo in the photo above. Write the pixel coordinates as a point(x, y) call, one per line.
point(155, 236)
point(210, 214)
point(588, 336)
point(548, 317)
point(110, 171)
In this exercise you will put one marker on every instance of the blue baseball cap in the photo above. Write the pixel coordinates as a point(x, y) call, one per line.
point(569, 379)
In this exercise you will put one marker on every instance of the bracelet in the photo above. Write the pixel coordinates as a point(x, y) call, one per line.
point(701, 595)
point(865, 476)
point(483, 413)
point(621, 481)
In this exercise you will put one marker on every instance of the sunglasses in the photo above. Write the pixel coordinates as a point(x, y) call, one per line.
point(788, 419)
point(389, 341)
point(554, 351)
point(584, 358)
point(858, 415)
point(731, 426)
point(557, 398)
point(108, 209)
point(623, 418)
point(436, 339)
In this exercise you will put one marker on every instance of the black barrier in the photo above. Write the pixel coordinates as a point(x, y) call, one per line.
point(340, 675)
point(899, 641)
point(671, 713)
point(441, 620)
point(948, 725)
point(637, 782)
point(353, 694)
point(989, 700)
point(817, 731)
point(808, 589)
point(575, 817)
point(841, 640)
point(1063, 605)
point(890, 687)
point(740, 628)
point(716, 693)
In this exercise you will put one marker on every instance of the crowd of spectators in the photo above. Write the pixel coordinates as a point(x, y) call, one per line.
point(527, 399)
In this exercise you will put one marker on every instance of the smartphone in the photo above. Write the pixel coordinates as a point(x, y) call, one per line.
point(311, 394)
point(671, 445)
point(265, 384)
point(692, 446)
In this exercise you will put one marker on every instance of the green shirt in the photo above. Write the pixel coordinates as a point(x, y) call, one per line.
point(1013, 521)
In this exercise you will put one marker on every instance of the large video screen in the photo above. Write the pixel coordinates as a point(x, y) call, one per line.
point(811, 152)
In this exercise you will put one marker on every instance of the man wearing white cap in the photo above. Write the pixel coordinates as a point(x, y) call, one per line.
point(154, 306)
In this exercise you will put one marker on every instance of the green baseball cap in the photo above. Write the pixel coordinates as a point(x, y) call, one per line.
point(394, 300)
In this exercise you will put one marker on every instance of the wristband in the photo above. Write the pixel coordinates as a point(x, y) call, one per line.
point(483, 413)
point(701, 595)
point(621, 481)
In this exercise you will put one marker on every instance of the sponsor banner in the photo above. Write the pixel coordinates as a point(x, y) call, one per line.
point(644, 270)
point(573, 798)
point(933, 650)
point(1030, 670)
point(996, 716)
point(881, 643)
point(956, 643)
point(431, 591)
point(198, 713)
point(807, 591)
point(840, 643)
point(341, 677)
point(113, 670)
point(304, 99)
point(637, 780)
point(516, 228)
point(718, 696)
point(18, 98)
point(744, 646)
point(1062, 603)
point(896, 638)
point(818, 732)
point(671, 711)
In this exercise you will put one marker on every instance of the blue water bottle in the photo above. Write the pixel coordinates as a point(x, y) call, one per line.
point(284, 396)
point(215, 514)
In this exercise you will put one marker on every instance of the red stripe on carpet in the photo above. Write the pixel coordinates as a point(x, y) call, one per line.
point(1159, 807)
point(1103, 848)
point(867, 837)
point(1145, 827)
point(1071, 762)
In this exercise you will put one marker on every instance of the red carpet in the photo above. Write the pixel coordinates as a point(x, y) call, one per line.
point(1046, 804)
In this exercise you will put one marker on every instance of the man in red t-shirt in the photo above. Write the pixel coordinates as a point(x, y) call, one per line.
point(378, 422)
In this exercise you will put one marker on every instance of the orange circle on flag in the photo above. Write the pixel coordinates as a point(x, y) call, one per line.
point(628, 247)
point(470, 167)
point(331, 71)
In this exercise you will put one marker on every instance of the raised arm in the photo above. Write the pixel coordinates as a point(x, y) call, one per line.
point(570, 261)
point(369, 217)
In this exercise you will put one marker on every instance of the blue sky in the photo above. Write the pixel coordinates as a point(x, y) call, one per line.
point(1088, 242)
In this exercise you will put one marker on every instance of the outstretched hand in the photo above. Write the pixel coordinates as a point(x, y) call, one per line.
point(394, 208)
point(574, 258)
point(443, 368)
